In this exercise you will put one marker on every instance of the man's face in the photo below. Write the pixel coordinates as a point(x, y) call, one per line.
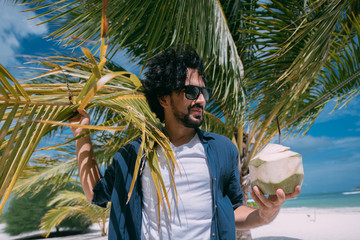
point(189, 113)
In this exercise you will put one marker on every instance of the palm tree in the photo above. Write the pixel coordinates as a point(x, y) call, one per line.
point(273, 66)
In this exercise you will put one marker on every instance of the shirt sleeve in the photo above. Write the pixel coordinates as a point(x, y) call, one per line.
point(103, 189)
point(118, 175)
point(234, 188)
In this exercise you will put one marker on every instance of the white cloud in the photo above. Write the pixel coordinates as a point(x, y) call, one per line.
point(355, 129)
point(15, 27)
point(351, 109)
point(332, 169)
point(310, 144)
point(331, 177)
point(330, 164)
point(348, 141)
point(307, 143)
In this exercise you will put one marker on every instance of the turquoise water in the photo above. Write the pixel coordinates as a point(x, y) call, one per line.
point(325, 200)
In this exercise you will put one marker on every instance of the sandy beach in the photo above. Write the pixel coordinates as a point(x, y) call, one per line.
point(290, 224)
point(312, 223)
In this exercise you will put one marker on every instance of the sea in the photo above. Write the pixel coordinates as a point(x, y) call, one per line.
point(346, 199)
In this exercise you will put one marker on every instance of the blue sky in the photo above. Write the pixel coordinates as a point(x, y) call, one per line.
point(331, 149)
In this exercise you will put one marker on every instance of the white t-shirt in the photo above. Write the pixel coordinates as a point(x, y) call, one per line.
point(191, 218)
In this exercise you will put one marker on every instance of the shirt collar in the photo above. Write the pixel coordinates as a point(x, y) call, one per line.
point(204, 136)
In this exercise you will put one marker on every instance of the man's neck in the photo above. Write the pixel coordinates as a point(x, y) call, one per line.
point(179, 134)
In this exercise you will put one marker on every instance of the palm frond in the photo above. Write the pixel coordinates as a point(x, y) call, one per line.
point(317, 48)
point(19, 134)
point(144, 28)
point(70, 204)
point(296, 43)
point(214, 124)
point(44, 172)
point(120, 92)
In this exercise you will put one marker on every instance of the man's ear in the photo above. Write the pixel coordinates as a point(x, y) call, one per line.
point(164, 101)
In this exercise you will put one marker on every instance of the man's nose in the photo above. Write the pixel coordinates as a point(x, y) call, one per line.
point(200, 99)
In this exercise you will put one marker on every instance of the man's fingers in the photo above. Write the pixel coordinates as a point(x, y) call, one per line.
point(281, 197)
point(296, 192)
point(80, 116)
point(83, 113)
point(75, 117)
point(256, 199)
point(261, 198)
point(273, 200)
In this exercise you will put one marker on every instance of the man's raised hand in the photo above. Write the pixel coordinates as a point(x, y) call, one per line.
point(83, 118)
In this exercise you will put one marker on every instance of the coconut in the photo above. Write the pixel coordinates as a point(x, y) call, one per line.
point(276, 167)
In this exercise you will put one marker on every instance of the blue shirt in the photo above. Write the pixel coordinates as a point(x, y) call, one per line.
point(125, 218)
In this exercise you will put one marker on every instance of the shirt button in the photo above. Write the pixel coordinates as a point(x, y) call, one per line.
point(215, 206)
point(214, 179)
point(213, 234)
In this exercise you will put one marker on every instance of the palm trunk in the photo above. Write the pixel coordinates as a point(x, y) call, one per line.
point(244, 181)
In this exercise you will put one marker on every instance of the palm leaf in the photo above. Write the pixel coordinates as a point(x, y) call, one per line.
point(45, 172)
point(36, 118)
point(69, 204)
point(144, 28)
point(19, 136)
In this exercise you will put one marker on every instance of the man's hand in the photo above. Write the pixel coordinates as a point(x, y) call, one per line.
point(81, 118)
point(270, 207)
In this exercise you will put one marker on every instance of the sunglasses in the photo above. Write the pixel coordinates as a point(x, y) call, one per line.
point(193, 92)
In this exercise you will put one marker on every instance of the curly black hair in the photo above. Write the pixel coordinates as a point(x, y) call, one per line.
point(166, 73)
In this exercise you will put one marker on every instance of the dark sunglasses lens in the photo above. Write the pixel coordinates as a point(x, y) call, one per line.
point(192, 92)
point(207, 93)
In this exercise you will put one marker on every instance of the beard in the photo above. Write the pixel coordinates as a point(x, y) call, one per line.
point(185, 119)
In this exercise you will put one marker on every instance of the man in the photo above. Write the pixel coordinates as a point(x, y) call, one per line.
point(208, 188)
